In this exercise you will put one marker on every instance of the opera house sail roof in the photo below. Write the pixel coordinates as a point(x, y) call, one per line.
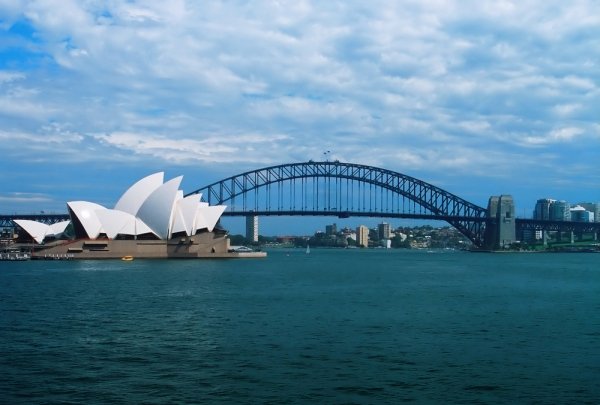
point(150, 207)
point(39, 231)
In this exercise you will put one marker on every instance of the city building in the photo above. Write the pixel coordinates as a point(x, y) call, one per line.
point(580, 214)
point(383, 231)
point(593, 208)
point(348, 233)
point(560, 211)
point(554, 210)
point(331, 230)
point(542, 209)
point(362, 236)
point(548, 209)
point(252, 228)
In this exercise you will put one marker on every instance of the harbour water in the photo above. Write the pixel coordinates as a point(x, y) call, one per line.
point(334, 326)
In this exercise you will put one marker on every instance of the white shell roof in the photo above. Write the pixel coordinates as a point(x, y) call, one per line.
point(141, 228)
point(212, 215)
point(86, 214)
point(157, 209)
point(58, 227)
point(185, 213)
point(148, 206)
point(116, 222)
point(37, 230)
point(200, 220)
point(134, 197)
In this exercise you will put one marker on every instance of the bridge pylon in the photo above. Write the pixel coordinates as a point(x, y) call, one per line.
point(501, 229)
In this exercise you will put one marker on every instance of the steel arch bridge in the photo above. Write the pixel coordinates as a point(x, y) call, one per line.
point(343, 190)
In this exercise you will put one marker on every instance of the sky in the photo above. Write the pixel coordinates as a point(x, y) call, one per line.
point(479, 98)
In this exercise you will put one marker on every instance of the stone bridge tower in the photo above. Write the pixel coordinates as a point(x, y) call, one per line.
point(501, 228)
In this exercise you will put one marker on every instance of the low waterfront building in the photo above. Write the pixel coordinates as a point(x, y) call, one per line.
point(593, 208)
point(580, 214)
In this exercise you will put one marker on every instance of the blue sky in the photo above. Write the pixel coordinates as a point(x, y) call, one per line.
point(477, 97)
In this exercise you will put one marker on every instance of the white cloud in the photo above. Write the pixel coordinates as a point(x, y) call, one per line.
point(8, 77)
point(559, 135)
point(22, 106)
point(51, 135)
point(207, 149)
point(438, 85)
point(20, 198)
point(565, 110)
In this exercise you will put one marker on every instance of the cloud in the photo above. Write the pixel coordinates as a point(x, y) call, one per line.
point(212, 149)
point(558, 135)
point(437, 86)
point(565, 110)
point(8, 77)
point(19, 198)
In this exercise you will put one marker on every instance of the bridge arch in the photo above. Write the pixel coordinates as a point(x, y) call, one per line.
point(344, 190)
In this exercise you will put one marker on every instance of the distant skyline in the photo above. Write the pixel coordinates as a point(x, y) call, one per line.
point(479, 98)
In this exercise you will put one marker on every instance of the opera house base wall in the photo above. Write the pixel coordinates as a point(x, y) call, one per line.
point(204, 245)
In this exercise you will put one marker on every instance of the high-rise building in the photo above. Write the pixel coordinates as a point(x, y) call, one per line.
point(384, 230)
point(252, 228)
point(553, 210)
point(560, 211)
point(542, 209)
point(362, 236)
point(330, 229)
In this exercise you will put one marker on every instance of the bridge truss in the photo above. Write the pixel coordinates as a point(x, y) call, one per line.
point(343, 190)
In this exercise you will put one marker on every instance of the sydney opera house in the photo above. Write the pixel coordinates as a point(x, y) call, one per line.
point(152, 219)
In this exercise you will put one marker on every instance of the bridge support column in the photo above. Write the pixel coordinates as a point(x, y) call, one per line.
point(545, 238)
point(503, 232)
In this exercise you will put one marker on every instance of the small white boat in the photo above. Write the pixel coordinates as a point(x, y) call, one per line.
point(307, 249)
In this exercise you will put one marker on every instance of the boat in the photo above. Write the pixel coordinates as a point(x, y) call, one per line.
point(307, 249)
point(127, 258)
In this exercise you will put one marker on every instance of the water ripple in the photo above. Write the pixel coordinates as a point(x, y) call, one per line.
point(344, 327)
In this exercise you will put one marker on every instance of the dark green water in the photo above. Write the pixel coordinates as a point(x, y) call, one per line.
point(335, 326)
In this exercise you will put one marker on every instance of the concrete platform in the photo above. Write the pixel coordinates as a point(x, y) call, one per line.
point(207, 245)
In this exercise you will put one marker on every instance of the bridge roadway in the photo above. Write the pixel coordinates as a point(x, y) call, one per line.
point(348, 214)
point(522, 224)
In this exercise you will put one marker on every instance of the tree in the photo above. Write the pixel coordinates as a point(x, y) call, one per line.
point(397, 242)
